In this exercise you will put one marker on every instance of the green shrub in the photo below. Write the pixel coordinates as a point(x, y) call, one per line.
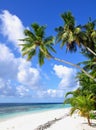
point(92, 116)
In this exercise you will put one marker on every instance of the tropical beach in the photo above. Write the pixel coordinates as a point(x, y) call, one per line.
point(35, 120)
point(48, 65)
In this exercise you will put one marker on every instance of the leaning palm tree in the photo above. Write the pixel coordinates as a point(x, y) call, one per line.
point(84, 105)
point(73, 36)
point(87, 86)
point(90, 32)
point(36, 42)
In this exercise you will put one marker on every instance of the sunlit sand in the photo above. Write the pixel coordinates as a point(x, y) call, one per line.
point(61, 117)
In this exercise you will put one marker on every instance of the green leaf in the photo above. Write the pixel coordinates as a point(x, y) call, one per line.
point(51, 48)
point(41, 58)
point(31, 54)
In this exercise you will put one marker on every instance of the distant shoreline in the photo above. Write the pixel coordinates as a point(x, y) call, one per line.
point(10, 110)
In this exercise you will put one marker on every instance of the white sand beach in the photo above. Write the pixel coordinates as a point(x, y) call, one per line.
point(32, 121)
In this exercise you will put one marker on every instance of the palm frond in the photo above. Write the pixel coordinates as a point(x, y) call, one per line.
point(29, 34)
point(41, 58)
point(31, 54)
point(35, 26)
point(68, 93)
point(39, 30)
point(68, 19)
point(51, 48)
point(27, 40)
point(73, 109)
point(28, 47)
point(67, 101)
point(64, 41)
point(90, 25)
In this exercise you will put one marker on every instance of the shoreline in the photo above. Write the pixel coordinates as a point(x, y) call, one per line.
point(29, 108)
point(32, 121)
point(20, 114)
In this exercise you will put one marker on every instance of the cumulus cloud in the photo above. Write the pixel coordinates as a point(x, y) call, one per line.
point(8, 63)
point(52, 93)
point(27, 75)
point(22, 91)
point(11, 27)
point(18, 77)
point(67, 77)
point(6, 88)
point(17, 71)
point(22, 76)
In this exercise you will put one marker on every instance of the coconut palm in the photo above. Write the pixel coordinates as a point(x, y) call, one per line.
point(72, 35)
point(90, 34)
point(84, 105)
point(36, 42)
point(79, 97)
point(89, 66)
point(65, 33)
point(87, 86)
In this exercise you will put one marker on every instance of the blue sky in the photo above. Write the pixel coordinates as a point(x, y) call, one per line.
point(22, 81)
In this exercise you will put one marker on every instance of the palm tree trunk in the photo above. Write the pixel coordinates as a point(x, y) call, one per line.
point(88, 119)
point(91, 51)
point(74, 65)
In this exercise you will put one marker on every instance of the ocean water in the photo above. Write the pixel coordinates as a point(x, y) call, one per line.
point(8, 110)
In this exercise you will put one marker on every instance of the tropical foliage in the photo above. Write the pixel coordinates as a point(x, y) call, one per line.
point(35, 42)
point(82, 99)
point(83, 36)
point(84, 104)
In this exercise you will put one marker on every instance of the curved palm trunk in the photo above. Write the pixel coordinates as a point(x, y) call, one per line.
point(88, 119)
point(91, 51)
point(74, 65)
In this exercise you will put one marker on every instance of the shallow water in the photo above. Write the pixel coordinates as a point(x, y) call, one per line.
point(8, 110)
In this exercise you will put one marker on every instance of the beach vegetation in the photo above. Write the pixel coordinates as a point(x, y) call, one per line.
point(35, 42)
point(92, 115)
point(83, 104)
point(73, 37)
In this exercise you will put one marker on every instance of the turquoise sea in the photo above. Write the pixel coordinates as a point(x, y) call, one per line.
point(8, 110)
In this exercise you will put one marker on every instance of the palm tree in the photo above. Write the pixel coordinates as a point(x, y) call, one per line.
point(35, 42)
point(90, 33)
point(87, 86)
point(84, 104)
point(71, 35)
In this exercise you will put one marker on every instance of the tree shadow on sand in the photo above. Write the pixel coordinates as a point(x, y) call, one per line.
point(92, 124)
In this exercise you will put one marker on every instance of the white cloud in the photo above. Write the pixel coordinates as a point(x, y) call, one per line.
point(18, 71)
point(27, 75)
point(22, 91)
point(67, 76)
point(52, 93)
point(18, 77)
point(67, 83)
point(8, 63)
point(11, 27)
point(2, 85)
point(6, 88)
point(21, 73)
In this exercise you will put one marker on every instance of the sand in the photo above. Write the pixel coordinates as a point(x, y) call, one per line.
point(32, 121)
